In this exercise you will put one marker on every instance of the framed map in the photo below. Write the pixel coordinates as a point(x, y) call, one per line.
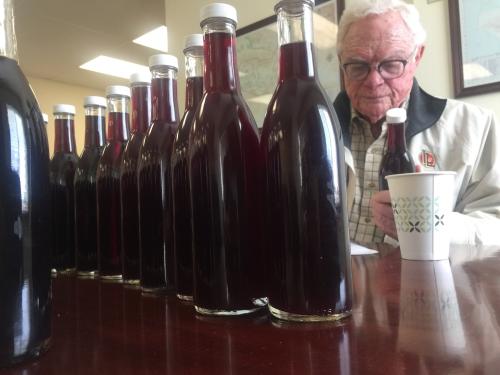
point(475, 45)
point(257, 46)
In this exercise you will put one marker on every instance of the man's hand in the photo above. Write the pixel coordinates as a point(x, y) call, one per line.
point(382, 213)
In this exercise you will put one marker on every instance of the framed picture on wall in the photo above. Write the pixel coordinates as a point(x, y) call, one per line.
point(258, 56)
point(475, 44)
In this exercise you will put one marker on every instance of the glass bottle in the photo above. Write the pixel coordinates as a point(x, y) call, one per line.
point(140, 87)
point(224, 177)
point(193, 55)
point(155, 198)
point(306, 214)
point(25, 299)
point(85, 186)
point(62, 175)
point(109, 257)
point(397, 159)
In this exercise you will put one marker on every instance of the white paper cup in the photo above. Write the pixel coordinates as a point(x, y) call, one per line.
point(421, 203)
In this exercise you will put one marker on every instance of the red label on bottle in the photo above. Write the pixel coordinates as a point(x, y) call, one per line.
point(427, 159)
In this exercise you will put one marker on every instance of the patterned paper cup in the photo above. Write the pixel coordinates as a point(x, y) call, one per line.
point(421, 203)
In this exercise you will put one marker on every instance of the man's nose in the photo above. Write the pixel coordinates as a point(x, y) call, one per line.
point(373, 78)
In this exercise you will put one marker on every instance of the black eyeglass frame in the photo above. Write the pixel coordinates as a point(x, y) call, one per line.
point(404, 62)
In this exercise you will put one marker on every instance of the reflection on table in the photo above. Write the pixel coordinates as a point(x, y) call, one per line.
point(409, 317)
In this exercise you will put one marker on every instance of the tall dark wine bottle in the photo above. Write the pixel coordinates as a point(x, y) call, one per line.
point(62, 175)
point(397, 159)
point(306, 213)
point(85, 186)
point(193, 55)
point(140, 87)
point(155, 193)
point(25, 299)
point(224, 171)
point(109, 250)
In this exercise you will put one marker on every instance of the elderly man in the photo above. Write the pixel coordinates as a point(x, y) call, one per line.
point(380, 44)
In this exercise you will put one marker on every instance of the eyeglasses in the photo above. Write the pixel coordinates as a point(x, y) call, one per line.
point(388, 69)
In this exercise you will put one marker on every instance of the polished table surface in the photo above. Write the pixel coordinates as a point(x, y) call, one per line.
point(409, 317)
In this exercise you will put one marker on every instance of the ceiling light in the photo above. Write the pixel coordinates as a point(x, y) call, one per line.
point(155, 39)
point(113, 67)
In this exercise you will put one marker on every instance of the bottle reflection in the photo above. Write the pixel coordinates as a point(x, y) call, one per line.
point(87, 319)
point(219, 347)
point(154, 343)
point(304, 348)
point(64, 325)
point(131, 308)
point(430, 325)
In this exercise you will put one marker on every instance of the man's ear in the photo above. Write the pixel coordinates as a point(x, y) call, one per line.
point(419, 54)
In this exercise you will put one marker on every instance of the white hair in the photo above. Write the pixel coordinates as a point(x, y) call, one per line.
point(363, 8)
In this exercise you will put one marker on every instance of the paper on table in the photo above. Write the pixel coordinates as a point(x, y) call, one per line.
point(361, 250)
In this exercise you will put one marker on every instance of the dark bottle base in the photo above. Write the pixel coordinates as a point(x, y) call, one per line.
point(30, 355)
point(185, 298)
point(111, 278)
point(87, 274)
point(154, 291)
point(62, 272)
point(284, 315)
point(258, 304)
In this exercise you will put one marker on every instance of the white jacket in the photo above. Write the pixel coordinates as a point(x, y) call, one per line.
point(446, 134)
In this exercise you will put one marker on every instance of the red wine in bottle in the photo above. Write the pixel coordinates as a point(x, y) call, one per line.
point(397, 159)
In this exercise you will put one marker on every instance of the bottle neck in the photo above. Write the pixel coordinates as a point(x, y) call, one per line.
point(221, 72)
point(396, 139)
point(141, 108)
point(295, 39)
point(164, 92)
point(64, 133)
point(194, 76)
point(95, 125)
point(118, 118)
point(8, 43)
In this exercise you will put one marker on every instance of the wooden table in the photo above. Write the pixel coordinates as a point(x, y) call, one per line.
point(409, 317)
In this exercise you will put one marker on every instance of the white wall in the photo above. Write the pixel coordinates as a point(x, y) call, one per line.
point(434, 73)
point(182, 19)
point(50, 92)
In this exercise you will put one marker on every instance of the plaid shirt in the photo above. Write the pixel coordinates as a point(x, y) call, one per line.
point(367, 153)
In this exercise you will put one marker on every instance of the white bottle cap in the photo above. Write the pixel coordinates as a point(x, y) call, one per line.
point(98, 101)
point(193, 40)
point(218, 10)
point(281, 3)
point(117, 90)
point(163, 60)
point(395, 116)
point(64, 108)
point(140, 77)
point(45, 118)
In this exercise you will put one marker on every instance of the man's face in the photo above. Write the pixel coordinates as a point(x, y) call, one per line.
point(374, 39)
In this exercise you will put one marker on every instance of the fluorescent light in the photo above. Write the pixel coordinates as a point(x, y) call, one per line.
point(155, 39)
point(113, 67)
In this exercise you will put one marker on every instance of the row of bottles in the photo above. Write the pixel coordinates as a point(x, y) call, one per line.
point(200, 205)
point(203, 206)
